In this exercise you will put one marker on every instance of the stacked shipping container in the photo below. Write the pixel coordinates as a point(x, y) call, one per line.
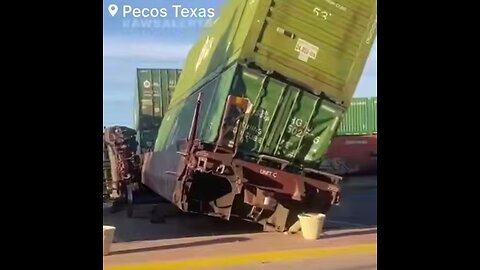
point(354, 149)
point(152, 96)
point(360, 118)
point(261, 95)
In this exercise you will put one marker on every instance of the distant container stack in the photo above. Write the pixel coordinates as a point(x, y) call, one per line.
point(360, 118)
point(354, 150)
point(152, 96)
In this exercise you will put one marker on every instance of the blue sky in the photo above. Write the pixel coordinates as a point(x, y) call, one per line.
point(130, 43)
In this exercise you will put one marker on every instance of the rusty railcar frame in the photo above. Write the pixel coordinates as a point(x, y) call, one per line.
point(273, 190)
point(125, 166)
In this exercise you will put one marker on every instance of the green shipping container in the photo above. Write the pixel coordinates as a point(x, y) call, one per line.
point(154, 89)
point(357, 119)
point(373, 114)
point(360, 118)
point(298, 62)
point(146, 139)
point(320, 45)
point(286, 122)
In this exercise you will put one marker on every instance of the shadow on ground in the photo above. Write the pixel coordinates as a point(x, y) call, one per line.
point(358, 206)
point(333, 234)
point(183, 245)
point(357, 210)
point(176, 225)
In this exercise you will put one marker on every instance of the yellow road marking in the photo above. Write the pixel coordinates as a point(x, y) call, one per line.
point(274, 256)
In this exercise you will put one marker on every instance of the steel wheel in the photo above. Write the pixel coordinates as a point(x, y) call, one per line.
point(130, 200)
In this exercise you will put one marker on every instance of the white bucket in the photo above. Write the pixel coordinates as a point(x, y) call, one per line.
point(108, 233)
point(311, 225)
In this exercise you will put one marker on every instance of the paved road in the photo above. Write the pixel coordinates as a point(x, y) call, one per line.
point(238, 245)
point(178, 225)
point(346, 262)
point(358, 206)
point(358, 209)
point(335, 250)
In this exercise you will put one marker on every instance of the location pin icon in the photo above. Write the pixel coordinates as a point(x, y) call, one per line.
point(113, 9)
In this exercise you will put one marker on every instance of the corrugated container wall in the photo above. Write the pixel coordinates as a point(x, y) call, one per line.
point(373, 114)
point(320, 45)
point(286, 121)
point(285, 56)
point(154, 88)
point(351, 155)
point(360, 118)
point(356, 120)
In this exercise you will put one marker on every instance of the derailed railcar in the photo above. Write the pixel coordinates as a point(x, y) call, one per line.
point(256, 106)
point(107, 171)
point(124, 175)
